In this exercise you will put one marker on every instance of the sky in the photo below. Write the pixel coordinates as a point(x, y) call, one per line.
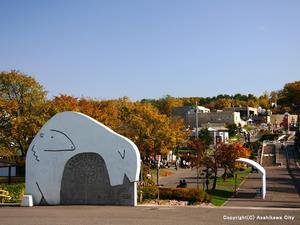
point(147, 49)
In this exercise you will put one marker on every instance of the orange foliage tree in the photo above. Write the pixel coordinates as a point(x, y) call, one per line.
point(228, 153)
point(199, 146)
point(224, 156)
point(153, 132)
point(23, 110)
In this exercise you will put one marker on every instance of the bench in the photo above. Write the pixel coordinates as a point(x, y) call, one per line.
point(4, 195)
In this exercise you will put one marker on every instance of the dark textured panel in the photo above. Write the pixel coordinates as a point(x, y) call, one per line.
point(85, 181)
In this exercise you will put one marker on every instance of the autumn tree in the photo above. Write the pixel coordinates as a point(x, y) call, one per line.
point(23, 110)
point(228, 153)
point(264, 101)
point(191, 101)
point(165, 105)
point(62, 103)
point(222, 103)
point(199, 146)
point(153, 132)
point(224, 156)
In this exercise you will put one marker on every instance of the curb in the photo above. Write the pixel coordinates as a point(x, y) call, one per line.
point(10, 204)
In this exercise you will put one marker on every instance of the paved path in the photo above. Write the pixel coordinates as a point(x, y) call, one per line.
point(281, 190)
point(190, 176)
point(283, 185)
point(141, 215)
point(172, 181)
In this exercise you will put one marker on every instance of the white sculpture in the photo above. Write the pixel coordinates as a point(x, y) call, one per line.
point(260, 169)
point(68, 134)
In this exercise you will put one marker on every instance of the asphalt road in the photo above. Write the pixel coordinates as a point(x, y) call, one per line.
point(145, 215)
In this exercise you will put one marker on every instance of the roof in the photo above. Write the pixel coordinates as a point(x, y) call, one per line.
point(5, 163)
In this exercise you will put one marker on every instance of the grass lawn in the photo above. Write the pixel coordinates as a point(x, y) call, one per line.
point(220, 196)
point(225, 189)
point(236, 138)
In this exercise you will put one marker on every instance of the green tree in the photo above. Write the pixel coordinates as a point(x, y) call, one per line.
point(232, 129)
point(289, 97)
point(205, 136)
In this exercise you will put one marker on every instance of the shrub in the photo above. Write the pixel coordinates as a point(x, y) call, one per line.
point(269, 137)
point(149, 192)
point(191, 195)
point(254, 146)
point(16, 191)
point(146, 179)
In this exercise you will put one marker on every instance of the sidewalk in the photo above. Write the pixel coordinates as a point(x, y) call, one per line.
point(281, 191)
point(173, 180)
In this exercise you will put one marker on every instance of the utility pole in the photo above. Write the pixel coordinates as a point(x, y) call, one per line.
point(196, 114)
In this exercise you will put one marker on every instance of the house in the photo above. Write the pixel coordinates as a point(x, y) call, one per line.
point(218, 132)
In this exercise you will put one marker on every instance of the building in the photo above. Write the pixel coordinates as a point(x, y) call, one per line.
point(182, 112)
point(202, 109)
point(245, 112)
point(214, 117)
point(219, 135)
point(215, 122)
point(205, 116)
point(278, 119)
point(218, 132)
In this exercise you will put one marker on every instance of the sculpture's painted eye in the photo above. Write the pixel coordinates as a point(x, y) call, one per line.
point(41, 135)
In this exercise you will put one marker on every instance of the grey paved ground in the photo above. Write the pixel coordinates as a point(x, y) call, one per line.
point(172, 181)
point(281, 191)
point(283, 186)
point(112, 215)
point(190, 175)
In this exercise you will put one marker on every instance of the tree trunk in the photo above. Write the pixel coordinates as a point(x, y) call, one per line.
point(215, 178)
point(225, 174)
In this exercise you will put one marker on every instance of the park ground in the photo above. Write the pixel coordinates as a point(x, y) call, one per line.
point(146, 215)
point(281, 206)
point(283, 184)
